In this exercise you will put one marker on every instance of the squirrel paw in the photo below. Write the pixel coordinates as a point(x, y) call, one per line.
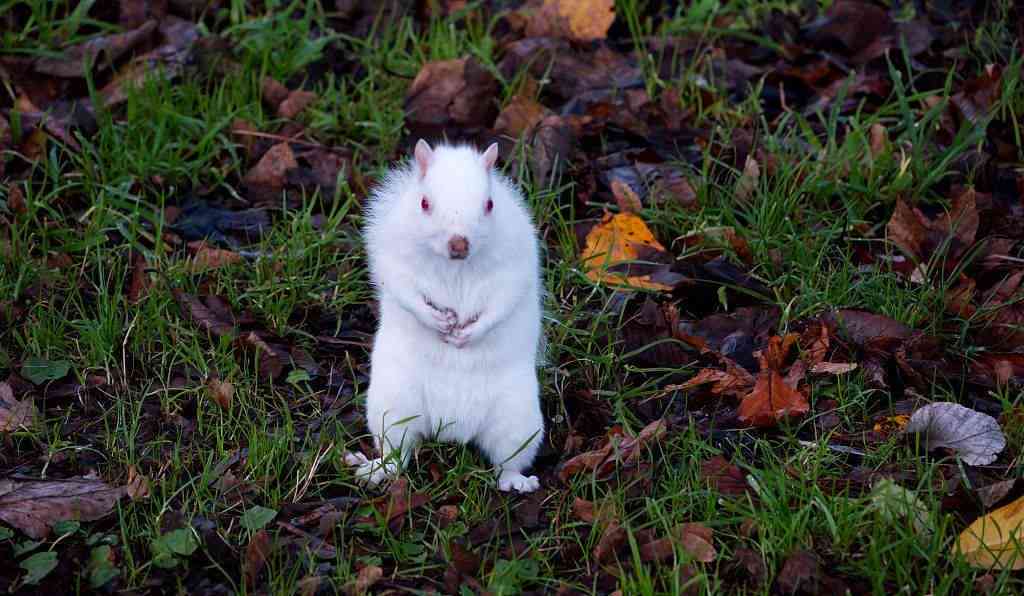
point(370, 472)
point(445, 318)
point(509, 481)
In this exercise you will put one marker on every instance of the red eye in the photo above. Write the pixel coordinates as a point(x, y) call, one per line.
point(425, 204)
point(489, 206)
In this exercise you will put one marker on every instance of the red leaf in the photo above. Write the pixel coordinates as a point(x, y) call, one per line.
point(771, 401)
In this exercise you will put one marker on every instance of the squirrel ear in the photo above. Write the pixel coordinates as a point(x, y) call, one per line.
point(424, 155)
point(490, 156)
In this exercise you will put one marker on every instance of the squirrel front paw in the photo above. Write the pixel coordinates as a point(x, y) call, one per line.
point(445, 318)
point(509, 481)
point(370, 472)
point(460, 335)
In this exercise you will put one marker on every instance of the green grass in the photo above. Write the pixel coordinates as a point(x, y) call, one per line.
point(66, 259)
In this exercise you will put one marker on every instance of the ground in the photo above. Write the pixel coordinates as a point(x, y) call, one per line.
point(773, 233)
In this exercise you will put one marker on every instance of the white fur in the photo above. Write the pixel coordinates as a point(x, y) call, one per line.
point(473, 385)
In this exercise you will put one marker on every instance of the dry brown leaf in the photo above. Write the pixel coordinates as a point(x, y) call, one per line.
point(520, 116)
point(833, 368)
point(137, 487)
point(99, 52)
point(748, 180)
point(975, 436)
point(771, 401)
point(734, 380)
point(295, 103)
point(694, 539)
point(206, 257)
point(368, 576)
point(256, 552)
point(221, 392)
point(619, 450)
point(269, 173)
point(724, 476)
point(457, 92)
point(618, 240)
point(14, 414)
point(33, 506)
point(613, 536)
point(625, 197)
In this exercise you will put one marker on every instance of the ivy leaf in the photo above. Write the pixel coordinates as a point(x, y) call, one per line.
point(38, 566)
point(40, 370)
point(257, 517)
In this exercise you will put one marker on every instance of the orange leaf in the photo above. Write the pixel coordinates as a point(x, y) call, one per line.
point(771, 401)
point(618, 240)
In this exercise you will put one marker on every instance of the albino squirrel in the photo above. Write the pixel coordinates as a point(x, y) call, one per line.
point(453, 257)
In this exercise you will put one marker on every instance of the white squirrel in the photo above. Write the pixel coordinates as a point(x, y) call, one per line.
point(455, 263)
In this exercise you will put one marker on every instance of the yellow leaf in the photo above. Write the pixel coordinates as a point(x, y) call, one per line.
point(995, 540)
point(585, 20)
point(617, 240)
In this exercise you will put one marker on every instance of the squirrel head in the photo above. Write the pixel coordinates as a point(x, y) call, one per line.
point(455, 207)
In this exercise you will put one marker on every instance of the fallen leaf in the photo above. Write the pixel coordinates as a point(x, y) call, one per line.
point(734, 380)
point(833, 368)
point(14, 414)
point(620, 450)
point(993, 493)
point(221, 392)
point(861, 327)
point(268, 175)
point(40, 370)
point(520, 116)
point(579, 20)
point(206, 257)
point(994, 540)
point(751, 565)
point(100, 52)
point(625, 197)
point(257, 517)
point(368, 575)
point(295, 103)
point(724, 476)
point(613, 536)
point(399, 501)
point(976, 437)
point(900, 505)
point(256, 552)
point(892, 424)
point(458, 92)
point(38, 566)
point(34, 506)
point(748, 180)
point(137, 487)
point(619, 240)
point(800, 572)
point(771, 401)
point(694, 539)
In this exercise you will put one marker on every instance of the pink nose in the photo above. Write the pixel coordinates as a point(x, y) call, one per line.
point(458, 247)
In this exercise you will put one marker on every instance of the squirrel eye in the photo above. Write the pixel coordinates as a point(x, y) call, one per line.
point(425, 204)
point(489, 206)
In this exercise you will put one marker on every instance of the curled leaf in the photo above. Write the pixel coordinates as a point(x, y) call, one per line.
point(976, 437)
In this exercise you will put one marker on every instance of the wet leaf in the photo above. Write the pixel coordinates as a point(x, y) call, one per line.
point(994, 540)
point(620, 450)
point(974, 436)
point(296, 103)
point(520, 116)
point(694, 539)
point(34, 506)
point(771, 400)
point(625, 197)
point(268, 175)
